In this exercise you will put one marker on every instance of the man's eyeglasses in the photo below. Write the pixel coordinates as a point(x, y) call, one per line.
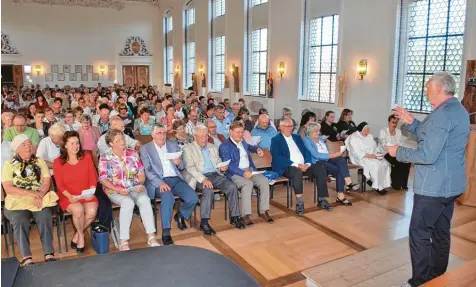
point(288, 126)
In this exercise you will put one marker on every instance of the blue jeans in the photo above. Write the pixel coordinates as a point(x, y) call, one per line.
point(337, 167)
point(181, 189)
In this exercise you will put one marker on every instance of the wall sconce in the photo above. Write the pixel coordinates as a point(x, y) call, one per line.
point(362, 70)
point(102, 69)
point(281, 69)
point(38, 69)
point(177, 69)
point(200, 70)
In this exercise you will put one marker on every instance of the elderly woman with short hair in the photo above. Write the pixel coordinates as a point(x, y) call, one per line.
point(89, 137)
point(49, 147)
point(121, 172)
point(180, 135)
point(335, 163)
point(143, 125)
point(27, 181)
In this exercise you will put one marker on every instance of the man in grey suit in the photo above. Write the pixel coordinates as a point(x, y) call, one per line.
point(164, 180)
point(201, 160)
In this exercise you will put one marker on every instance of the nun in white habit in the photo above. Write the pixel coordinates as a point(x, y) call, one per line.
point(363, 151)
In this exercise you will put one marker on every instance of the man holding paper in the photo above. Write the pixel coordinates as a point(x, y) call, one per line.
point(205, 168)
point(240, 171)
point(164, 180)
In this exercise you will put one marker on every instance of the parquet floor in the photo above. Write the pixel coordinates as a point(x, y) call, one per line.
point(276, 254)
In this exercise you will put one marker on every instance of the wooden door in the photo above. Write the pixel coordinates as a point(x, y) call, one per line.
point(135, 75)
point(18, 75)
point(142, 75)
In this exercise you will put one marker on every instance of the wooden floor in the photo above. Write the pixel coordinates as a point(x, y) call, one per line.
point(276, 254)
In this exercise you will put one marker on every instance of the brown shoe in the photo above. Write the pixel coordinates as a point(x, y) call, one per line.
point(247, 220)
point(265, 216)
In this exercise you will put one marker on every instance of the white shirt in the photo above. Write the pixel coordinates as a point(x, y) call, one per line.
point(167, 168)
point(159, 116)
point(190, 128)
point(244, 160)
point(179, 114)
point(295, 154)
point(48, 151)
point(103, 147)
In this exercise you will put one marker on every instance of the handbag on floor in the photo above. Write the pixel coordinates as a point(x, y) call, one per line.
point(100, 238)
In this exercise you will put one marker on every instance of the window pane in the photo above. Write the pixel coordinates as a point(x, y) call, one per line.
point(220, 7)
point(434, 43)
point(259, 61)
point(191, 16)
point(264, 40)
point(263, 62)
point(327, 30)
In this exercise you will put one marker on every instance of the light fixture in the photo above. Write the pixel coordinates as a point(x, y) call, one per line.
point(200, 70)
point(232, 68)
point(281, 69)
point(38, 69)
point(362, 70)
point(177, 69)
point(102, 69)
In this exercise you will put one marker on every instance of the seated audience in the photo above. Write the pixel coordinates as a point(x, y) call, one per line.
point(240, 171)
point(40, 125)
point(164, 181)
point(20, 127)
point(392, 135)
point(169, 118)
point(287, 112)
point(7, 120)
point(246, 134)
point(69, 121)
point(265, 131)
point(143, 125)
point(40, 102)
point(209, 113)
point(346, 126)
point(49, 147)
point(244, 114)
point(158, 111)
point(50, 116)
point(201, 159)
point(121, 173)
point(335, 163)
point(26, 181)
point(292, 160)
point(235, 109)
point(308, 117)
point(223, 123)
point(363, 151)
point(265, 111)
point(89, 137)
point(74, 172)
point(101, 120)
point(117, 124)
point(78, 113)
point(30, 114)
point(214, 137)
point(192, 122)
point(180, 136)
point(180, 112)
point(329, 128)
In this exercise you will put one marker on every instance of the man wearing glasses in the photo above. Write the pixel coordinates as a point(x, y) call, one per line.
point(19, 127)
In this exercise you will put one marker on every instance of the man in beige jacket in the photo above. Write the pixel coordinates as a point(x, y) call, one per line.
point(201, 160)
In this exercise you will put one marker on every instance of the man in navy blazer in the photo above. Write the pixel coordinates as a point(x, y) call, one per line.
point(292, 160)
point(164, 180)
point(240, 171)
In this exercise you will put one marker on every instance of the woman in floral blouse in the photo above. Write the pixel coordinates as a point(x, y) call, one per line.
point(121, 173)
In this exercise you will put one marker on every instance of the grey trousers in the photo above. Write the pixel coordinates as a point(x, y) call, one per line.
point(224, 184)
point(246, 186)
point(127, 203)
point(20, 220)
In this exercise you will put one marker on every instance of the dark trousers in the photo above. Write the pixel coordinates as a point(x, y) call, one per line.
point(317, 171)
point(222, 183)
point(337, 167)
point(430, 237)
point(400, 171)
point(180, 188)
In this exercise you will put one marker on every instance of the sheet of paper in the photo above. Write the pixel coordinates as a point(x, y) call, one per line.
point(257, 172)
point(173, 155)
point(225, 163)
point(343, 148)
point(86, 193)
point(324, 136)
point(255, 140)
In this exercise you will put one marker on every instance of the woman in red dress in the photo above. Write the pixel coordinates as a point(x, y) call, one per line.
point(74, 172)
point(40, 103)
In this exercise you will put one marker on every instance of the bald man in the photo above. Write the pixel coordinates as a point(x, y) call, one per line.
point(264, 130)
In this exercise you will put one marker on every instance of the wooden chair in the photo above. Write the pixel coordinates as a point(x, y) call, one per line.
point(144, 139)
point(334, 147)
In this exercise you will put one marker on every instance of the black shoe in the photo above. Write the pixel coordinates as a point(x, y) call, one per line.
point(180, 221)
point(352, 187)
point(382, 192)
point(80, 250)
point(300, 209)
point(325, 205)
point(167, 240)
point(405, 187)
point(74, 245)
point(344, 201)
point(207, 230)
point(237, 222)
point(136, 211)
point(369, 182)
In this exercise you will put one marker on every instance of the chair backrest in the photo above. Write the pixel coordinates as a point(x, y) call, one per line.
point(143, 139)
point(262, 162)
point(334, 147)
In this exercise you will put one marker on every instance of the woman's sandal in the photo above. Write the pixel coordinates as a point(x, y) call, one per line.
point(151, 243)
point(23, 262)
point(124, 246)
point(51, 259)
point(344, 201)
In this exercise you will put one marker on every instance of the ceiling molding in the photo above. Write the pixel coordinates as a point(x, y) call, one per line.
point(112, 4)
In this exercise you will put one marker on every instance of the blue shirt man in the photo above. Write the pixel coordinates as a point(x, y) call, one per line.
point(265, 131)
point(207, 162)
point(223, 124)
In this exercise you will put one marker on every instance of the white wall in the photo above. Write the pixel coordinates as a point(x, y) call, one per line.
point(46, 35)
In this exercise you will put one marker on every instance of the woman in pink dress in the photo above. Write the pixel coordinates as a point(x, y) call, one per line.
point(89, 136)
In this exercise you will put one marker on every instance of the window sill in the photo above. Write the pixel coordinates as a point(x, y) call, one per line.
point(317, 102)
